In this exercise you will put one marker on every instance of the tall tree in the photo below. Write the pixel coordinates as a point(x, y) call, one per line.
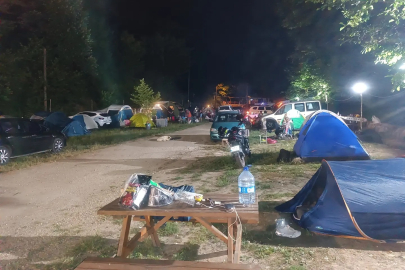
point(145, 97)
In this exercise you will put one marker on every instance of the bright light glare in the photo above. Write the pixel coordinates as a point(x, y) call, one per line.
point(360, 88)
point(402, 66)
point(208, 106)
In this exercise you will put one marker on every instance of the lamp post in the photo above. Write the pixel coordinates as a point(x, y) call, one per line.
point(360, 88)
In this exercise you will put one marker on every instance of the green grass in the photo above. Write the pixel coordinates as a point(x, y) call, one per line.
point(228, 177)
point(170, 228)
point(200, 235)
point(91, 246)
point(262, 185)
point(188, 253)
point(146, 250)
point(96, 140)
point(276, 196)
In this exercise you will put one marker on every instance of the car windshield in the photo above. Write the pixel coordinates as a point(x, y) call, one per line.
point(226, 117)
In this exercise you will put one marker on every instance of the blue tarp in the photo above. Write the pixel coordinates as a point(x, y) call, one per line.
point(325, 136)
point(75, 128)
point(364, 199)
point(57, 121)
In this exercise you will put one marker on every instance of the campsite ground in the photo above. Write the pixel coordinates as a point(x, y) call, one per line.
point(48, 212)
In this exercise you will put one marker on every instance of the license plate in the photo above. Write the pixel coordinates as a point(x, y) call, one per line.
point(235, 148)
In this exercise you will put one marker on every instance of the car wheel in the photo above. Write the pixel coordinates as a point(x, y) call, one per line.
point(5, 155)
point(271, 124)
point(58, 145)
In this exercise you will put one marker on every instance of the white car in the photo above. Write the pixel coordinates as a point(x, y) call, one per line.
point(304, 107)
point(255, 110)
point(101, 119)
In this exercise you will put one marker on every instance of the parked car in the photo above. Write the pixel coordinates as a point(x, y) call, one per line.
point(224, 119)
point(255, 110)
point(304, 107)
point(21, 137)
point(100, 118)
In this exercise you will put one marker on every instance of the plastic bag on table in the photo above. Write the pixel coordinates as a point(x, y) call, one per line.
point(159, 197)
point(135, 191)
point(187, 197)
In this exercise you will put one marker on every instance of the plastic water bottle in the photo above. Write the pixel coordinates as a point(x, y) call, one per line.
point(247, 189)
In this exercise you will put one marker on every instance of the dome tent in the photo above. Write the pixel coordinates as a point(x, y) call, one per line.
point(354, 199)
point(89, 123)
point(326, 136)
point(139, 120)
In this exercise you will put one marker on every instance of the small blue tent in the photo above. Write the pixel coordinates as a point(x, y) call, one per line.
point(57, 121)
point(75, 128)
point(355, 199)
point(125, 114)
point(326, 136)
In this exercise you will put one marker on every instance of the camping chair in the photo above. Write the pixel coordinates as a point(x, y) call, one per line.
point(263, 136)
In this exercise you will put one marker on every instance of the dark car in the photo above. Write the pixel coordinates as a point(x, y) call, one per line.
point(20, 137)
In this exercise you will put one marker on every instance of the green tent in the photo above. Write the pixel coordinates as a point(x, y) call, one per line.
point(296, 117)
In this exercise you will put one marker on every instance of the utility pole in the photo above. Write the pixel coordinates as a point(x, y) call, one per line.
point(188, 87)
point(216, 94)
point(45, 83)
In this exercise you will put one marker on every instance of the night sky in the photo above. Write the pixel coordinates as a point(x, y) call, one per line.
point(236, 42)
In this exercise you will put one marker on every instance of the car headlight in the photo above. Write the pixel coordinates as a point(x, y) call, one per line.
point(214, 130)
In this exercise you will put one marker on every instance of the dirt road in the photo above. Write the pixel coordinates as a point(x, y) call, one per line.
point(61, 198)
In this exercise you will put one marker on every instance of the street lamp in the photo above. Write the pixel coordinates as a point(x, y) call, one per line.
point(402, 66)
point(360, 88)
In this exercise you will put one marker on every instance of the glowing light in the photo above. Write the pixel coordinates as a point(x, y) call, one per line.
point(402, 66)
point(360, 88)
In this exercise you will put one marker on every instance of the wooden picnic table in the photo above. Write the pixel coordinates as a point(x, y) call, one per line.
point(204, 215)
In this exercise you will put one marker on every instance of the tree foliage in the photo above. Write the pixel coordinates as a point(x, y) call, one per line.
point(144, 96)
point(309, 83)
point(377, 26)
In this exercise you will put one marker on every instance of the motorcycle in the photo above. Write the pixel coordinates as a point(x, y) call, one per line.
point(238, 141)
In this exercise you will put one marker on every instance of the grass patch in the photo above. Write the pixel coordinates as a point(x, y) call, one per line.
point(96, 140)
point(146, 250)
point(201, 235)
point(170, 228)
point(276, 196)
point(258, 251)
point(297, 267)
point(91, 246)
point(228, 177)
point(188, 253)
point(263, 185)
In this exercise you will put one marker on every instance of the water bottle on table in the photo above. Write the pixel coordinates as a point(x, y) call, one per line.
point(246, 184)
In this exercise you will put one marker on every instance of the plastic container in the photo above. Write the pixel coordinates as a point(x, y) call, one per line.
point(247, 189)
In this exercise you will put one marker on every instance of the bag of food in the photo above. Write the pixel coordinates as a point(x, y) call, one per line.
point(135, 191)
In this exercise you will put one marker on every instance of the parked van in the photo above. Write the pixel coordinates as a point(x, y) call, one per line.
point(304, 107)
point(256, 109)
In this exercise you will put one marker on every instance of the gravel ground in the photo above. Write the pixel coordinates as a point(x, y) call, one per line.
point(57, 202)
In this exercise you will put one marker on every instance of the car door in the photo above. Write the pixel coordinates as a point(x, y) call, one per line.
point(40, 135)
point(15, 137)
point(311, 107)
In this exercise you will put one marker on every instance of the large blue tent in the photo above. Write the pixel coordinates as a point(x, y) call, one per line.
point(75, 128)
point(356, 199)
point(326, 136)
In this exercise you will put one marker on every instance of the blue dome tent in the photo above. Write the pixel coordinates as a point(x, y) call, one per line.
point(75, 128)
point(326, 136)
point(354, 199)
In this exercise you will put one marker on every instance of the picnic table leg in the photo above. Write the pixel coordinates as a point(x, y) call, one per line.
point(126, 224)
point(238, 243)
point(152, 232)
point(230, 240)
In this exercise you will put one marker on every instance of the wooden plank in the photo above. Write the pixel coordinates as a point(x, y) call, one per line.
point(126, 225)
point(136, 264)
point(238, 244)
point(214, 230)
point(152, 232)
point(210, 220)
point(249, 214)
point(230, 240)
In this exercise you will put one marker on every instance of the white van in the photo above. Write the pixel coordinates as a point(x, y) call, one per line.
point(256, 109)
point(305, 107)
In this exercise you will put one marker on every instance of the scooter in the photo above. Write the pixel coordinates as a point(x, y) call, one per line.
point(239, 143)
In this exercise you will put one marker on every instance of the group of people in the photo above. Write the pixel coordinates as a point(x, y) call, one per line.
point(191, 117)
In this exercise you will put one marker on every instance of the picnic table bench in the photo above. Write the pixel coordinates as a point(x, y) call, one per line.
point(204, 215)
